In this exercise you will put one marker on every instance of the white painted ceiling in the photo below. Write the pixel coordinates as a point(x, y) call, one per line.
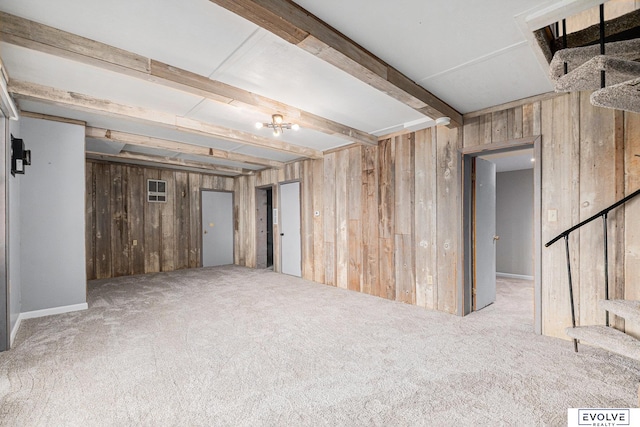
point(471, 54)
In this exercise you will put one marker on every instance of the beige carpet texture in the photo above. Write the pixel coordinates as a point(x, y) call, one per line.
point(231, 346)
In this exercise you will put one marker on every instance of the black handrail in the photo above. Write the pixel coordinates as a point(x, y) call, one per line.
point(598, 215)
point(565, 234)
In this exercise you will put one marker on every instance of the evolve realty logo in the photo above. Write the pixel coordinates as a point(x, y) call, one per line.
point(604, 417)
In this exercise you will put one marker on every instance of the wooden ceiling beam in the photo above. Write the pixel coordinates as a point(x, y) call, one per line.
point(32, 35)
point(83, 102)
point(135, 158)
point(181, 147)
point(298, 26)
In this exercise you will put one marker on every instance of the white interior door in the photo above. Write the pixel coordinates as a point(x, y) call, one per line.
point(217, 228)
point(290, 241)
point(485, 233)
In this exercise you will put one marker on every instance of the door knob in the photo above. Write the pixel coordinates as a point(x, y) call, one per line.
point(282, 234)
point(496, 238)
point(205, 231)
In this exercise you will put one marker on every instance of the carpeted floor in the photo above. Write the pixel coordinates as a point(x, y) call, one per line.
point(234, 346)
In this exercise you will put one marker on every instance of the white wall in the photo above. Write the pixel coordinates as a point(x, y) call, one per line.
point(52, 255)
point(514, 222)
point(15, 306)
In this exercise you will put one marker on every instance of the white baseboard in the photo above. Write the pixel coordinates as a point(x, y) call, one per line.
point(514, 276)
point(42, 313)
point(54, 310)
point(14, 331)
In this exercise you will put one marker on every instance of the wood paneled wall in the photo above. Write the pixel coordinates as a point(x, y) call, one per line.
point(389, 221)
point(117, 214)
point(588, 163)
point(390, 218)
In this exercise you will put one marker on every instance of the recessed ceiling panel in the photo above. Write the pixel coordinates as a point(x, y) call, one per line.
point(35, 67)
point(280, 70)
point(195, 35)
point(102, 146)
point(245, 120)
point(422, 38)
point(124, 125)
point(219, 162)
point(497, 80)
point(266, 154)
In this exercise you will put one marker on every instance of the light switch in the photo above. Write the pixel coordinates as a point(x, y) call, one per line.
point(552, 215)
point(135, 243)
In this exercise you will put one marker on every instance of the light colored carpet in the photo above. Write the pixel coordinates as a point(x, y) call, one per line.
point(234, 346)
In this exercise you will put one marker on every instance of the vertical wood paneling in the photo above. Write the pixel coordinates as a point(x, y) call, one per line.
point(354, 213)
point(499, 127)
point(167, 223)
point(425, 219)
point(152, 229)
point(632, 213)
point(90, 222)
point(404, 218)
point(386, 197)
point(318, 221)
point(597, 177)
point(307, 222)
point(369, 200)
point(329, 197)
point(136, 197)
point(103, 221)
point(128, 235)
point(182, 220)
point(448, 217)
point(342, 220)
point(195, 223)
point(119, 224)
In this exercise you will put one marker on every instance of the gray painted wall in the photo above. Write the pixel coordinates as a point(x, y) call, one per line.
point(52, 216)
point(514, 222)
point(15, 282)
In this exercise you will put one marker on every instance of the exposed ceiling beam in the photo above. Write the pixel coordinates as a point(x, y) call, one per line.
point(78, 101)
point(298, 26)
point(35, 36)
point(182, 147)
point(133, 158)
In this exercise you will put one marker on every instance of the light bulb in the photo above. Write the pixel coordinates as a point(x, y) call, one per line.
point(295, 126)
point(277, 118)
point(259, 125)
point(276, 132)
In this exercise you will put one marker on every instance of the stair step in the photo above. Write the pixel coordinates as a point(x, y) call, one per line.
point(628, 309)
point(607, 338)
point(575, 57)
point(587, 75)
point(624, 96)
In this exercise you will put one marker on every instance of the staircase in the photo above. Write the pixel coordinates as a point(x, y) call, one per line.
point(615, 77)
point(608, 338)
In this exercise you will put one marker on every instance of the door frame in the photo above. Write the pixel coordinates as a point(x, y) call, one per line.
point(279, 228)
point(233, 221)
point(466, 286)
point(274, 193)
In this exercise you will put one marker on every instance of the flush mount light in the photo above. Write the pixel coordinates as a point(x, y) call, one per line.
point(278, 125)
point(443, 121)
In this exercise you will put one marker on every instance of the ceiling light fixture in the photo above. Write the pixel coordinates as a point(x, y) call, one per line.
point(278, 125)
point(443, 121)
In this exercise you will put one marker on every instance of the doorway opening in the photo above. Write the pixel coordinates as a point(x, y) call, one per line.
point(264, 224)
point(502, 236)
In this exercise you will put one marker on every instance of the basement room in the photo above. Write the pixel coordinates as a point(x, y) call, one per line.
point(288, 212)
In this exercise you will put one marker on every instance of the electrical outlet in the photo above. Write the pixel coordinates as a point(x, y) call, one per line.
point(429, 280)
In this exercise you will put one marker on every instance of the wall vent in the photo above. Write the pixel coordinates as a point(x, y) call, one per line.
point(156, 190)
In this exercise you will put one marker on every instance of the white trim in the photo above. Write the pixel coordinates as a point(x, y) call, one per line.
point(14, 331)
point(515, 276)
point(54, 310)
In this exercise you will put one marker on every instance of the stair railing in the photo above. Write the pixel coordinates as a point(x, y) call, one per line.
point(565, 234)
